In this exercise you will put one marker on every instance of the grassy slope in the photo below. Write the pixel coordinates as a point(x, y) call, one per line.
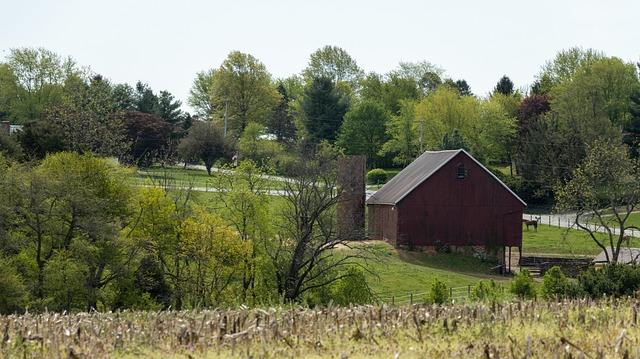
point(401, 272)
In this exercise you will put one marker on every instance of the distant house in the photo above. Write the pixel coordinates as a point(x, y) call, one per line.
point(447, 199)
point(625, 256)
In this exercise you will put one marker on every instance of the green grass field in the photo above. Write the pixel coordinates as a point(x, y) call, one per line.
point(400, 273)
point(557, 241)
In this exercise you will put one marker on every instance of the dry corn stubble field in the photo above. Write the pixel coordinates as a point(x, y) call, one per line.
point(577, 329)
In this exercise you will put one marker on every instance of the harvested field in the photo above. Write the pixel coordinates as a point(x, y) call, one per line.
point(518, 329)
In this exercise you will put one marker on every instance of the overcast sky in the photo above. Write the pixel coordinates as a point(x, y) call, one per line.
point(165, 43)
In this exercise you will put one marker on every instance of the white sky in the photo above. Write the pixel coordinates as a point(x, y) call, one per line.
point(165, 43)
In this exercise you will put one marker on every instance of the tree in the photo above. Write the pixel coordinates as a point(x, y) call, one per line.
point(200, 94)
point(303, 256)
point(605, 189)
point(281, 122)
point(213, 255)
point(425, 74)
point(86, 131)
point(68, 213)
point(461, 85)
point(244, 203)
point(592, 104)
point(205, 142)
point(563, 67)
point(254, 145)
point(32, 79)
point(323, 109)
point(404, 132)
point(243, 92)
point(335, 64)
point(149, 137)
point(504, 86)
point(363, 131)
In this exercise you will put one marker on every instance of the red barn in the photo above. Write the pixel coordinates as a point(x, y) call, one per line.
point(448, 199)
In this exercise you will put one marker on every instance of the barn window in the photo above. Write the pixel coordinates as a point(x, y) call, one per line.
point(461, 171)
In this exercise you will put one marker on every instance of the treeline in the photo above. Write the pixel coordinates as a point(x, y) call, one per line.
point(241, 111)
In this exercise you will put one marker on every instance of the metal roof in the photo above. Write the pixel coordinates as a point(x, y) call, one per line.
point(419, 171)
point(626, 255)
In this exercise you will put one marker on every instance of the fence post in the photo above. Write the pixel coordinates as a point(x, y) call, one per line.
point(450, 292)
point(469, 290)
point(393, 301)
point(411, 300)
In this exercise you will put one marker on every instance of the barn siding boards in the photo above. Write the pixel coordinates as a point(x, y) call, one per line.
point(447, 197)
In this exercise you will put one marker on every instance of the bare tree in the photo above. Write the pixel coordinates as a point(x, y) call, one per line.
point(308, 253)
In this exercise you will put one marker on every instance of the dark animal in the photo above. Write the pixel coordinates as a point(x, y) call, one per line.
point(625, 239)
point(533, 222)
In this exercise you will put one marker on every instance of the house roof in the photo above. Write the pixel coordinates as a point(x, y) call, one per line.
point(625, 256)
point(419, 171)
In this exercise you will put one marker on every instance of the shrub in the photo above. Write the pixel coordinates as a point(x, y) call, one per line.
point(554, 284)
point(487, 291)
point(377, 176)
point(522, 285)
point(615, 280)
point(439, 293)
point(352, 289)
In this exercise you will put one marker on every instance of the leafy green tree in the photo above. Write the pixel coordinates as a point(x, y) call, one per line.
point(554, 283)
point(205, 142)
point(69, 211)
point(323, 109)
point(85, 131)
point(592, 104)
point(504, 86)
point(335, 64)
point(32, 79)
point(124, 97)
point(244, 203)
point(12, 289)
point(563, 67)
point(522, 285)
point(363, 131)
point(453, 142)
point(200, 94)
point(243, 89)
point(10, 147)
point(403, 130)
point(439, 293)
point(39, 138)
point(213, 255)
point(352, 289)
point(604, 188)
point(487, 291)
point(425, 74)
point(254, 145)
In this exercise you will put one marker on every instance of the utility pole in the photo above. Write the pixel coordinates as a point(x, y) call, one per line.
point(420, 137)
point(226, 107)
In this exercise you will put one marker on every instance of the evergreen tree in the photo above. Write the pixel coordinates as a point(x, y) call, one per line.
point(504, 86)
point(324, 109)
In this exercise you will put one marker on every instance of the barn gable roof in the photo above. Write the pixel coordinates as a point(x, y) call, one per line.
point(419, 171)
